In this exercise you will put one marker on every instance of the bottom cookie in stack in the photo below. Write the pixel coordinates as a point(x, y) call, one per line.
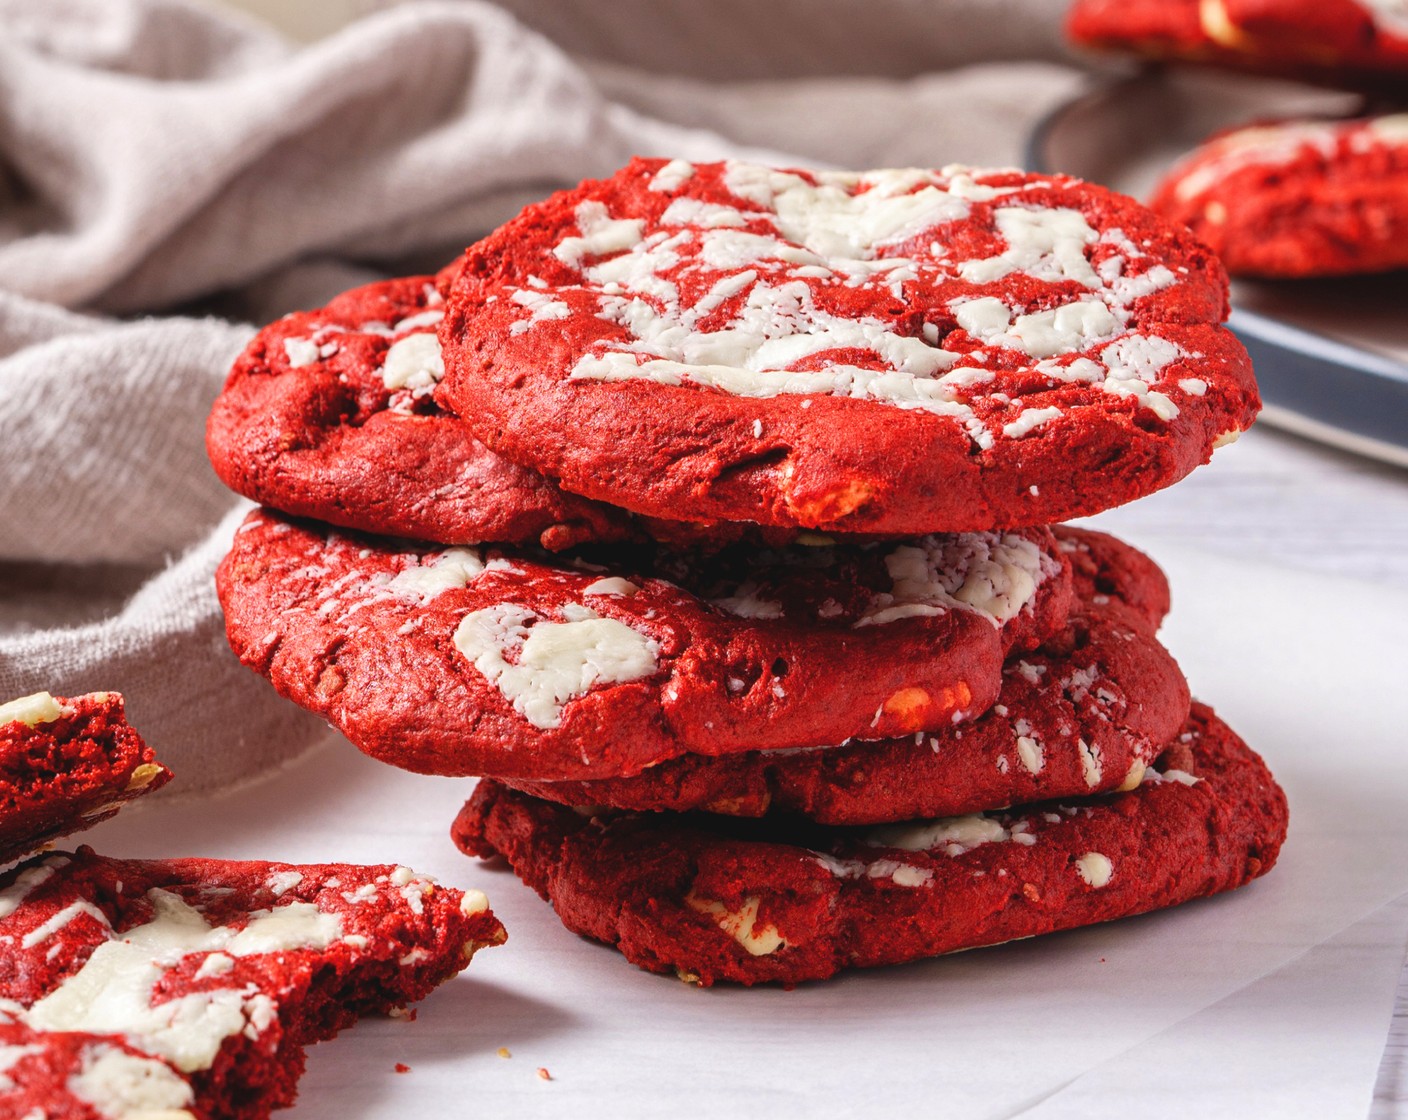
point(807, 862)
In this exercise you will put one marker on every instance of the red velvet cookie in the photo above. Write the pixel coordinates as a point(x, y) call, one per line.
point(66, 764)
point(1356, 42)
point(1085, 714)
point(895, 352)
point(190, 987)
point(715, 899)
point(1298, 198)
point(329, 414)
point(1104, 567)
point(462, 661)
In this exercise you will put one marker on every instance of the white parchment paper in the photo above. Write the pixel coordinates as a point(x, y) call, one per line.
point(1271, 1001)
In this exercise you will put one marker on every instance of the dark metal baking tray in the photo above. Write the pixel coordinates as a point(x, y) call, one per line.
point(1331, 356)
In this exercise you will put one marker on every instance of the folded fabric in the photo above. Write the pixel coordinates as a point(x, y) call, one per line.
point(162, 159)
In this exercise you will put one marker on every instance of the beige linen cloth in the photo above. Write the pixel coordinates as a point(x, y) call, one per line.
point(170, 175)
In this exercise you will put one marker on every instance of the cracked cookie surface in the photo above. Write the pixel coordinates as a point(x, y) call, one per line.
point(892, 352)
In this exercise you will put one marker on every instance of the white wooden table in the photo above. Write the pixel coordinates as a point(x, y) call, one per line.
point(1276, 498)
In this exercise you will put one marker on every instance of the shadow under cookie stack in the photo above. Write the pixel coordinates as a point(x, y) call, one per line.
point(709, 515)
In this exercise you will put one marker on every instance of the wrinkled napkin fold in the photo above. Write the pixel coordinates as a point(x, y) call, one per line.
point(167, 161)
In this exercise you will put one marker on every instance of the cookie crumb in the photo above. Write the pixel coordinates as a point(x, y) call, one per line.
point(402, 1067)
point(503, 1052)
point(543, 1074)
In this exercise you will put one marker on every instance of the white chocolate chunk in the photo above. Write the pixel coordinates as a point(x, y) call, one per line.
point(954, 835)
point(906, 876)
point(1029, 421)
point(1095, 869)
point(281, 882)
point(703, 215)
point(542, 309)
point(1134, 362)
point(416, 322)
point(613, 585)
point(1032, 754)
point(112, 992)
point(746, 602)
point(672, 176)
point(1072, 326)
point(217, 964)
point(414, 363)
point(601, 235)
point(1090, 766)
point(295, 925)
point(741, 924)
point(987, 318)
point(33, 710)
point(301, 352)
point(556, 662)
point(452, 569)
point(120, 1085)
point(1047, 243)
point(995, 574)
point(1393, 128)
point(901, 874)
point(1181, 777)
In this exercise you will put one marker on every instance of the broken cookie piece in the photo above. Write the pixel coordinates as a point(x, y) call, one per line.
point(190, 987)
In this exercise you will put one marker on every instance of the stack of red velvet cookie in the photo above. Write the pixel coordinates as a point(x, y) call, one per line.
point(725, 496)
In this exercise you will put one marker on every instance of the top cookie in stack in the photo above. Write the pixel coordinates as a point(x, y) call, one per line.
point(895, 352)
point(755, 461)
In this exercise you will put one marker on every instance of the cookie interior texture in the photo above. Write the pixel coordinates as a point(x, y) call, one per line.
point(191, 987)
point(67, 763)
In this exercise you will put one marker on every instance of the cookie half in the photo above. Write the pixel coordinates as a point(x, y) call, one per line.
point(891, 352)
point(1339, 42)
point(65, 765)
point(190, 987)
point(465, 661)
point(1085, 714)
point(713, 899)
point(1298, 198)
point(330, 414)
